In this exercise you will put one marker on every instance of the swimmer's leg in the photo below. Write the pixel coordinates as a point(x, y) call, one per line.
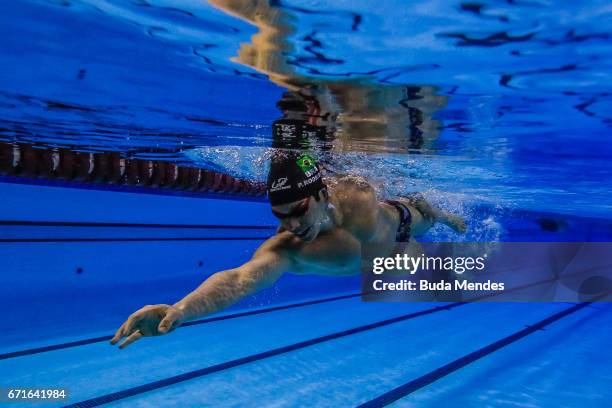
point(425, 215)
point(455, 222)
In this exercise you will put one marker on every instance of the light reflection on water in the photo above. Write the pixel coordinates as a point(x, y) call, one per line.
point(506, 103)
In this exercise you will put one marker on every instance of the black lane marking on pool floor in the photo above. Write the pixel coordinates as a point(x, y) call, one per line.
point(130, 225)
point(432, 376)
point(83, 342)
point(219, 367)
point(130, 392)
point(60, 346)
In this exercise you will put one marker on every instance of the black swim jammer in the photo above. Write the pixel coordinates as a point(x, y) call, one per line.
point(403, 230)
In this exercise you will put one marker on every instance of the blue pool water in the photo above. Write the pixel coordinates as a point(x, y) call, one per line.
point(498, 111)
point(518, 92)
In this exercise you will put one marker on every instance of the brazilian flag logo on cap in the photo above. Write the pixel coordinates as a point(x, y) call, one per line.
point(307, 164)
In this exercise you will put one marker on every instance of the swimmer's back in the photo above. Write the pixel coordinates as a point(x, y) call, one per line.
point(357, 204)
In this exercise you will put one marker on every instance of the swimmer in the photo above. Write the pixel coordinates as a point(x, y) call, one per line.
point(331, 226)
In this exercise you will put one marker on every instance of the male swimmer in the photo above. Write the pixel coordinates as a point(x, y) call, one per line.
point(331, 226)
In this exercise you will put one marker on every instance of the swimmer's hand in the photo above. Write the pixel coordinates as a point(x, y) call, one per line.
point(151, 320)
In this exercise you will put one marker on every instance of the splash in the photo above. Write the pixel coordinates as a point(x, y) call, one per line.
point(390, 176)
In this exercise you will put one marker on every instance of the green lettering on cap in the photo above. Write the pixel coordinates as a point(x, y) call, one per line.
point(307, 164)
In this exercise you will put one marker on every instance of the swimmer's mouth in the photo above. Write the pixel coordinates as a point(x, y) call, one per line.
point(304, 233)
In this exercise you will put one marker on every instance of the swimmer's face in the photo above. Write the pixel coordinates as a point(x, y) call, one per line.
point(302, 218)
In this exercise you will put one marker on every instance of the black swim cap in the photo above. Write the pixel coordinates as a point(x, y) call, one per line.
point(293, 177)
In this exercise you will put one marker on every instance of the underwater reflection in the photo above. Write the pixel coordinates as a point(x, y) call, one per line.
point(353, 113)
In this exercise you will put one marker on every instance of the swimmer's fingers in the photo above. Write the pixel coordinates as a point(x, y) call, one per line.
point(173, 319)
point(167, 324)
point(128, 326)
point(132, 338)
point(118, 335)
point(131, 322)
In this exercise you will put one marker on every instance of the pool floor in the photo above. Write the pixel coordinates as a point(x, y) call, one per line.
point(339, 351)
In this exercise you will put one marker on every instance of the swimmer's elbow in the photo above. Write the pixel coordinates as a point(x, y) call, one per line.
point(263, 270)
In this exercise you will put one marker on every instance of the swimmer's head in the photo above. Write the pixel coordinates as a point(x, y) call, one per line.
point(293, 177)
point(297, 194)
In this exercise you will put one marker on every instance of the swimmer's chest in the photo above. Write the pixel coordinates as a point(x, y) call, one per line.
point(336, 252)
point(340, 253)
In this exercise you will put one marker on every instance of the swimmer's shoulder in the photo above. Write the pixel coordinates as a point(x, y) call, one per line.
point(347, 182)
point(284, 243)
point(357, 202)
point(353, 193)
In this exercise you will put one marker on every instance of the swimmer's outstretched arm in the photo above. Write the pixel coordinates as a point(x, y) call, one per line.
point(219, 291)
point(225, 288)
